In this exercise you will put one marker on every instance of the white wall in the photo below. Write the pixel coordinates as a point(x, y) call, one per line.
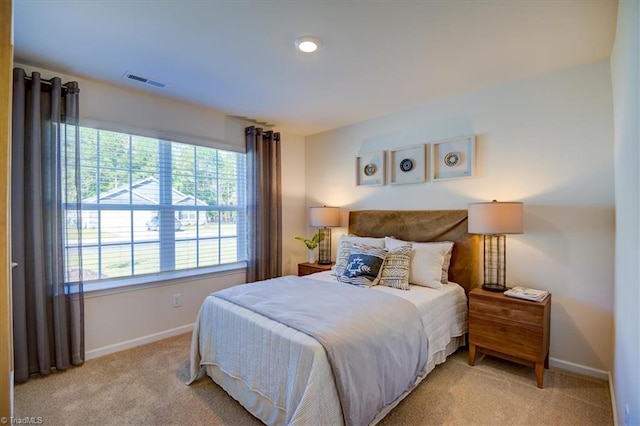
point(626, 95)
point(117, 320)
point(546, 141)
point(143, 111)
point(121, 319)
point(294, 219)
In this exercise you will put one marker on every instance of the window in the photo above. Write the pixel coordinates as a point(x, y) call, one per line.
point(152, 206)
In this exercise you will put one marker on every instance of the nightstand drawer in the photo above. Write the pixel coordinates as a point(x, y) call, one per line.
point(508, 309)
point(521, 340)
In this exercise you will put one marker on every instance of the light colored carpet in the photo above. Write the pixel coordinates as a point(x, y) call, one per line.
point(145, 386)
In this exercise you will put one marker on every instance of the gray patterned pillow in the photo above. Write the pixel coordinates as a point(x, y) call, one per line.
point(364, 266)
point(345, 245)
point(395, 271)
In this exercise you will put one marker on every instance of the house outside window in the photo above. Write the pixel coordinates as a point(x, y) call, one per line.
point(152, 206)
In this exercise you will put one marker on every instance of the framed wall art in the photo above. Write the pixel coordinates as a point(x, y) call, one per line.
point(453, 158)
point(370, 168)
point(407, 165)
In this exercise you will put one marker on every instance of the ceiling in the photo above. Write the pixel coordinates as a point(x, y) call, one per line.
point(377, 57)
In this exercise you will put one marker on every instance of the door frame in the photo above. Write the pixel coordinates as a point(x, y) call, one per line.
point(6, 316)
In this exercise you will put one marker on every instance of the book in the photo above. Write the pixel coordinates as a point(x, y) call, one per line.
point(527, 293)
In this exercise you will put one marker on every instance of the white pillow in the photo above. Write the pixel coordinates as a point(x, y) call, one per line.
point(344, 249)
point(429, 261)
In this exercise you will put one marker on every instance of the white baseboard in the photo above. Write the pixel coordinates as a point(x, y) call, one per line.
point(11, 392)
point(117, 347)
point(613, 401)
point(590, 372)
point(580, 369)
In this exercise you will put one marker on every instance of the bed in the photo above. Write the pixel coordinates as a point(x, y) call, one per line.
point(285, 376)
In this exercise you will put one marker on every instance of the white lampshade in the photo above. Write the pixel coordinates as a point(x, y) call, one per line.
point(324, 216)
point(495, 218)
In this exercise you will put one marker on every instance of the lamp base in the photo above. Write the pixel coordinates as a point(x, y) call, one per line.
point(324, 248)
point(498, 288)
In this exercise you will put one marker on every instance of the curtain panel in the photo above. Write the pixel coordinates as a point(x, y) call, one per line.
point(264, 205)
point(48, 312)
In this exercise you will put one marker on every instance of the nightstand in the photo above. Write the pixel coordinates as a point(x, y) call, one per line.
point(311, 268)
point(510, 328)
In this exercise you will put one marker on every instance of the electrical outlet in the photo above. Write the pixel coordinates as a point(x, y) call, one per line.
point(175, 301)
point(626, 415)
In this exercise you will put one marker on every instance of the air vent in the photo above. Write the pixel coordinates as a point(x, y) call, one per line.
point(144, 80)
point(156, 83)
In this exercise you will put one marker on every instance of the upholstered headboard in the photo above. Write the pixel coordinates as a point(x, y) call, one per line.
point(423, 226)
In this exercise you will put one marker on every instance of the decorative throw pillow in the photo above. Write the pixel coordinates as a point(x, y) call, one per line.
point(345, 245)
point(429, 261)
point(364, 266)
point(395, 271)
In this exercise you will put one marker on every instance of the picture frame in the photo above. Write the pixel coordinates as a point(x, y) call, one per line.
point(370, 168)
point(407, 165)
point(453, 158)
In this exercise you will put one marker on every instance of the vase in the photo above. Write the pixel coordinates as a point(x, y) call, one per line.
point(311, 256)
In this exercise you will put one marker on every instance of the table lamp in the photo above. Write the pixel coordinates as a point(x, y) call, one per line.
point(324, 218)
point(494, 220)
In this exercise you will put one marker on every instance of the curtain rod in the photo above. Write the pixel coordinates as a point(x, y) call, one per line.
point(47, 82)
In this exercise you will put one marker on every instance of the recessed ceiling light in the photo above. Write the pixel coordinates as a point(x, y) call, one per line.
point(307, 44)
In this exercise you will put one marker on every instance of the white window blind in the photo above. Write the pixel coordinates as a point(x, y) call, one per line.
point(151, 206)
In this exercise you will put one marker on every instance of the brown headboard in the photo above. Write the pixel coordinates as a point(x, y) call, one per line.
point(423, 226)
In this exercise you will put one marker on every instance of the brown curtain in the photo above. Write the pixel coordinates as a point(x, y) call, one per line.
point(48, 316)
point(264, 205)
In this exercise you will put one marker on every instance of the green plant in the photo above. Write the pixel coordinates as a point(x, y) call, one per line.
point(313, 242)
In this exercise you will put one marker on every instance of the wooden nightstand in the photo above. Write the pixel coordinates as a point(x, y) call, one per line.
point(311, 268)
point(510, 328)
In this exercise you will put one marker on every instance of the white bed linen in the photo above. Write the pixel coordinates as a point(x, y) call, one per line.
point(443, 312)
point(242, 351)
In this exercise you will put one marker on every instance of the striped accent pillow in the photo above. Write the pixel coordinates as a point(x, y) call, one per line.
point(395, 271)
point(364, 266)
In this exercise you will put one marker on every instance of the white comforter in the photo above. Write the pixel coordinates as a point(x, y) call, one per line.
point(247, 350)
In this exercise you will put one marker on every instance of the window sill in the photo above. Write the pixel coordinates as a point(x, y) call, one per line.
point(115, 286)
